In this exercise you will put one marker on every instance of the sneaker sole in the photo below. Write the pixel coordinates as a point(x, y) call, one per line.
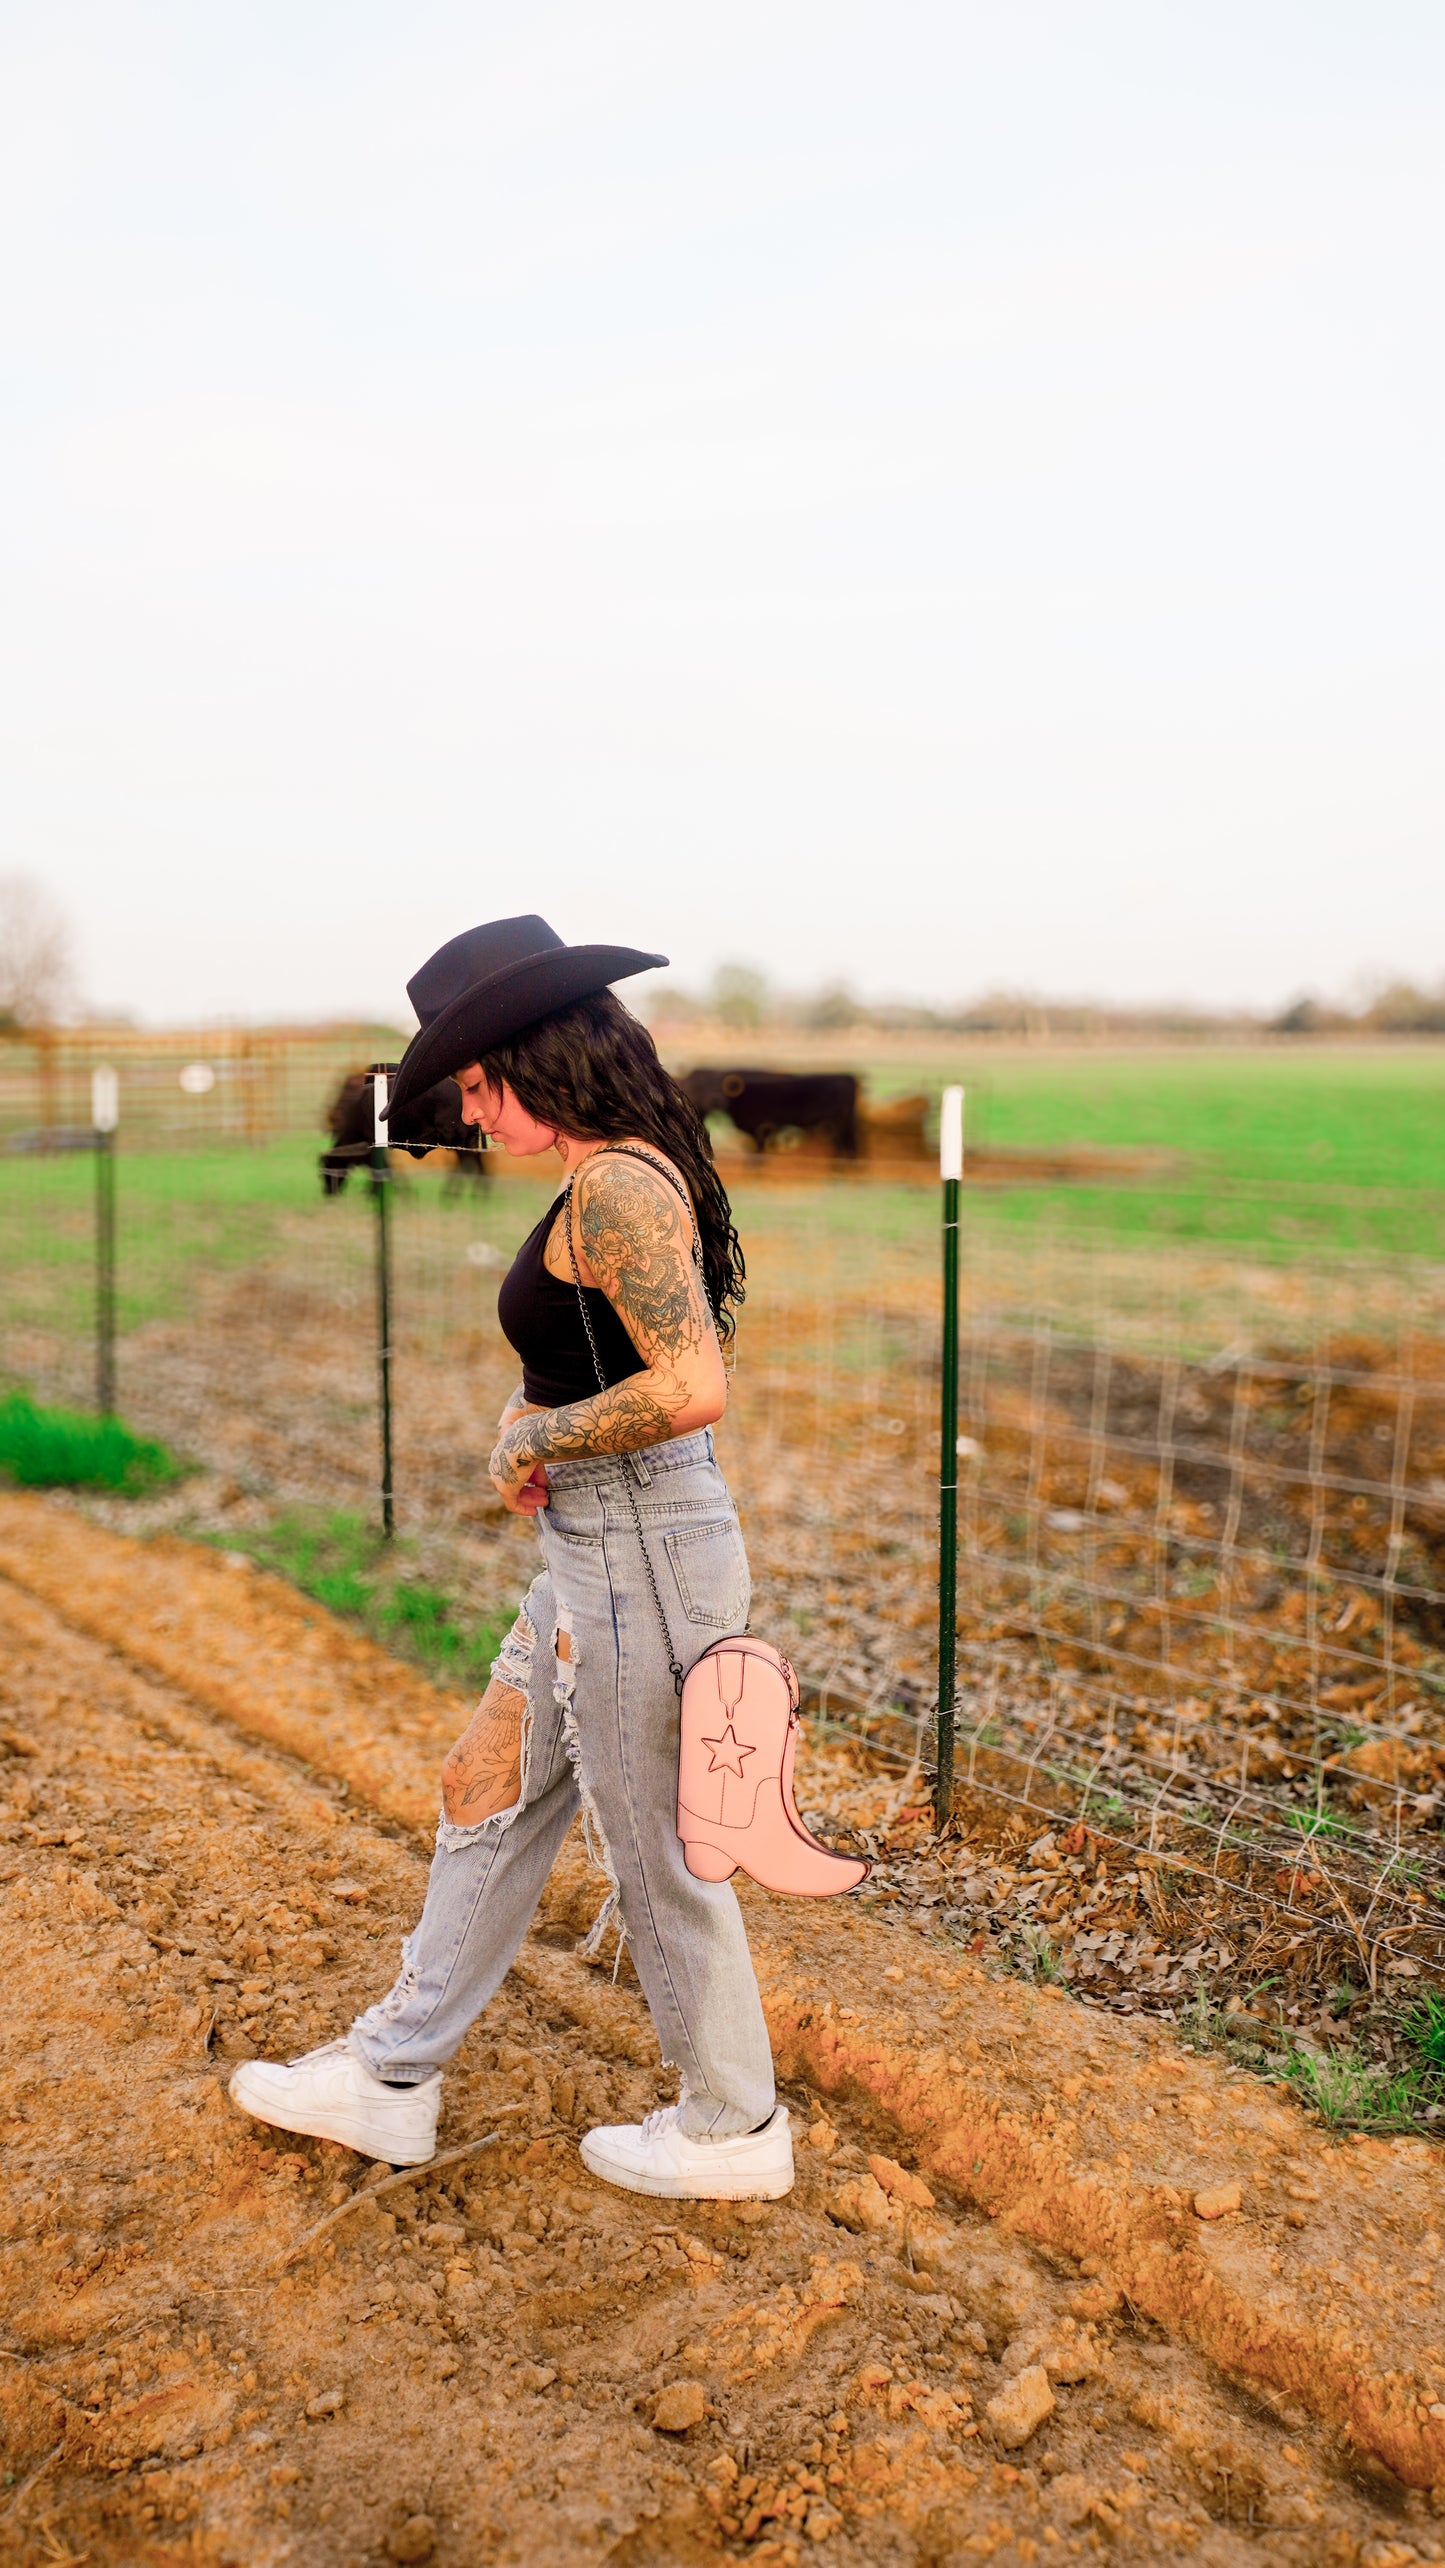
point(612, 2171)
point(322, 2126)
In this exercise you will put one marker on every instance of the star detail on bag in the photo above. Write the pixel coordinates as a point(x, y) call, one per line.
point(730, 1752)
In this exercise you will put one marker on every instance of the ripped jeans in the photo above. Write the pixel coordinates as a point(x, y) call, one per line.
point(600, 1734)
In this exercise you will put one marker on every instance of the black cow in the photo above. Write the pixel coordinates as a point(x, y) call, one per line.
point(432, 1121)
point(763, 1103)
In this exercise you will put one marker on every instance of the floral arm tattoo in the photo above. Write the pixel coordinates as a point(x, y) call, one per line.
point(637, 1237)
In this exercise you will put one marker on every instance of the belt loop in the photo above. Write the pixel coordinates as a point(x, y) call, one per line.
point(640, 1469)
point(711, 1447)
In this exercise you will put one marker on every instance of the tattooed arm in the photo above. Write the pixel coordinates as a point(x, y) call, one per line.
point(634, 1239)
point(516, 1403)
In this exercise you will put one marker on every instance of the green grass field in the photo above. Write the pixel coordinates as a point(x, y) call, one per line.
point(1282, 1148)
point(1372, 1118)
point(175, 1212)
point(1278, 1149)
point(1282, 1152)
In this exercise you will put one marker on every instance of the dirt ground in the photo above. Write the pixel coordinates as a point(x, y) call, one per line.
point(1047, 2286)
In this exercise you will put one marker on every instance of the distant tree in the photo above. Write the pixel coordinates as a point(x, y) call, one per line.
point(1402, 1009)
point(36, 975)
point(999, 1012)
point(1306, 1016)
point(739, 995)
point(1396, 1008)
point(834, 1009)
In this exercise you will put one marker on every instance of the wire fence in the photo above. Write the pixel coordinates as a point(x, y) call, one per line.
point(185, 1089)
point(1201, 1599)
point(1201, 1570)
point(1204, 1608)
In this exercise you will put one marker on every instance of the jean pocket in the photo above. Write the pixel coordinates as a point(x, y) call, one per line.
point(711, 1569)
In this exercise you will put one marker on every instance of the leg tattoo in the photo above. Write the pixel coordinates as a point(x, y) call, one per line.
point(483, 1774)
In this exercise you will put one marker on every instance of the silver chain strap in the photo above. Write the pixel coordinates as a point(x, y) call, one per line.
point(603, 1385)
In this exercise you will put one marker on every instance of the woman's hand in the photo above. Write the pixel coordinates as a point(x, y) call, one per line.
point(521, 1485)
point(519, 1481)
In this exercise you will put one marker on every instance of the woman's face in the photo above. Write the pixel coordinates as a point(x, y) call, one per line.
point(500, 1112)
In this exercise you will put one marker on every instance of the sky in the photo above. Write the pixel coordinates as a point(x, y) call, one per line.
point(936, 497)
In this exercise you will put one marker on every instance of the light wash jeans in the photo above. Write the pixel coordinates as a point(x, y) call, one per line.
point(601, 1733)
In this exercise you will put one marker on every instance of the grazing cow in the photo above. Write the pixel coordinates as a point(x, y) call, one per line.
point(433, 1121)
point(763, 1103)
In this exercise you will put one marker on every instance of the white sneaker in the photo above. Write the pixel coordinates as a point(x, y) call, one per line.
point(657, 2157)
point(334, 2096)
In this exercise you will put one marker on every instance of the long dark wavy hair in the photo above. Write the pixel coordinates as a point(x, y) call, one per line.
point(593, 1070)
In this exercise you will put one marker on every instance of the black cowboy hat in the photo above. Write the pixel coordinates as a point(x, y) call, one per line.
point(487, 985)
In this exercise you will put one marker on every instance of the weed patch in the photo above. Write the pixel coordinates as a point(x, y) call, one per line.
point(1321, 1823)
point(347, 1567)
point(1424, 2029)
point(1037, 1957)
point(68, 1449)
point(1362, 2095)
point(1348, 2090)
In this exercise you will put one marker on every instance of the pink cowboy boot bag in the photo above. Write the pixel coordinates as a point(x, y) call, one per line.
point(735, 1806)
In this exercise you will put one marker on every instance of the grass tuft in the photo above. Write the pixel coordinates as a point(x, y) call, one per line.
point(1320, 1823)
point(69, 1449)
point(1205, 2024)
point(1424, 2029)
point(1359, 2095)
point(1037, 1958)
point(1348, 2091)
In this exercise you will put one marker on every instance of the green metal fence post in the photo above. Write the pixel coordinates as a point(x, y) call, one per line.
point(950, 1157)
point(104, 1116)
point(381, 1197)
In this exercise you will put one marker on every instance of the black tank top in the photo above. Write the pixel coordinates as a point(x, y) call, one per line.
point(539, 1315)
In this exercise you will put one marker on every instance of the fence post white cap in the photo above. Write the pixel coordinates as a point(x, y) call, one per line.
point(104, 1099)
point(950, 1134)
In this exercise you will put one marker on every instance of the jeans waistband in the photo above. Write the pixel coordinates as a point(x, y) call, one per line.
point(610, 1470)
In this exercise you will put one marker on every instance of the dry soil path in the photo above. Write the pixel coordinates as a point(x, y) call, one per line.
point(990, 2322)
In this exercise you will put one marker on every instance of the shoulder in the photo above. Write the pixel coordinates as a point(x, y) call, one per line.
point(632, 1192)
point(616, 1179)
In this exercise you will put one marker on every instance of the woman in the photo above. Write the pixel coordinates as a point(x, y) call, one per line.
point(616, 1304)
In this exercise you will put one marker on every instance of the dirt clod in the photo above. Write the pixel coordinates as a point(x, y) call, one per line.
point(1019, 2409)
point(412, 2541)
point(821, 2522)
point(860, 2204)
point(900, 2184)
point(1217, 2201)
point(680, 2405)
